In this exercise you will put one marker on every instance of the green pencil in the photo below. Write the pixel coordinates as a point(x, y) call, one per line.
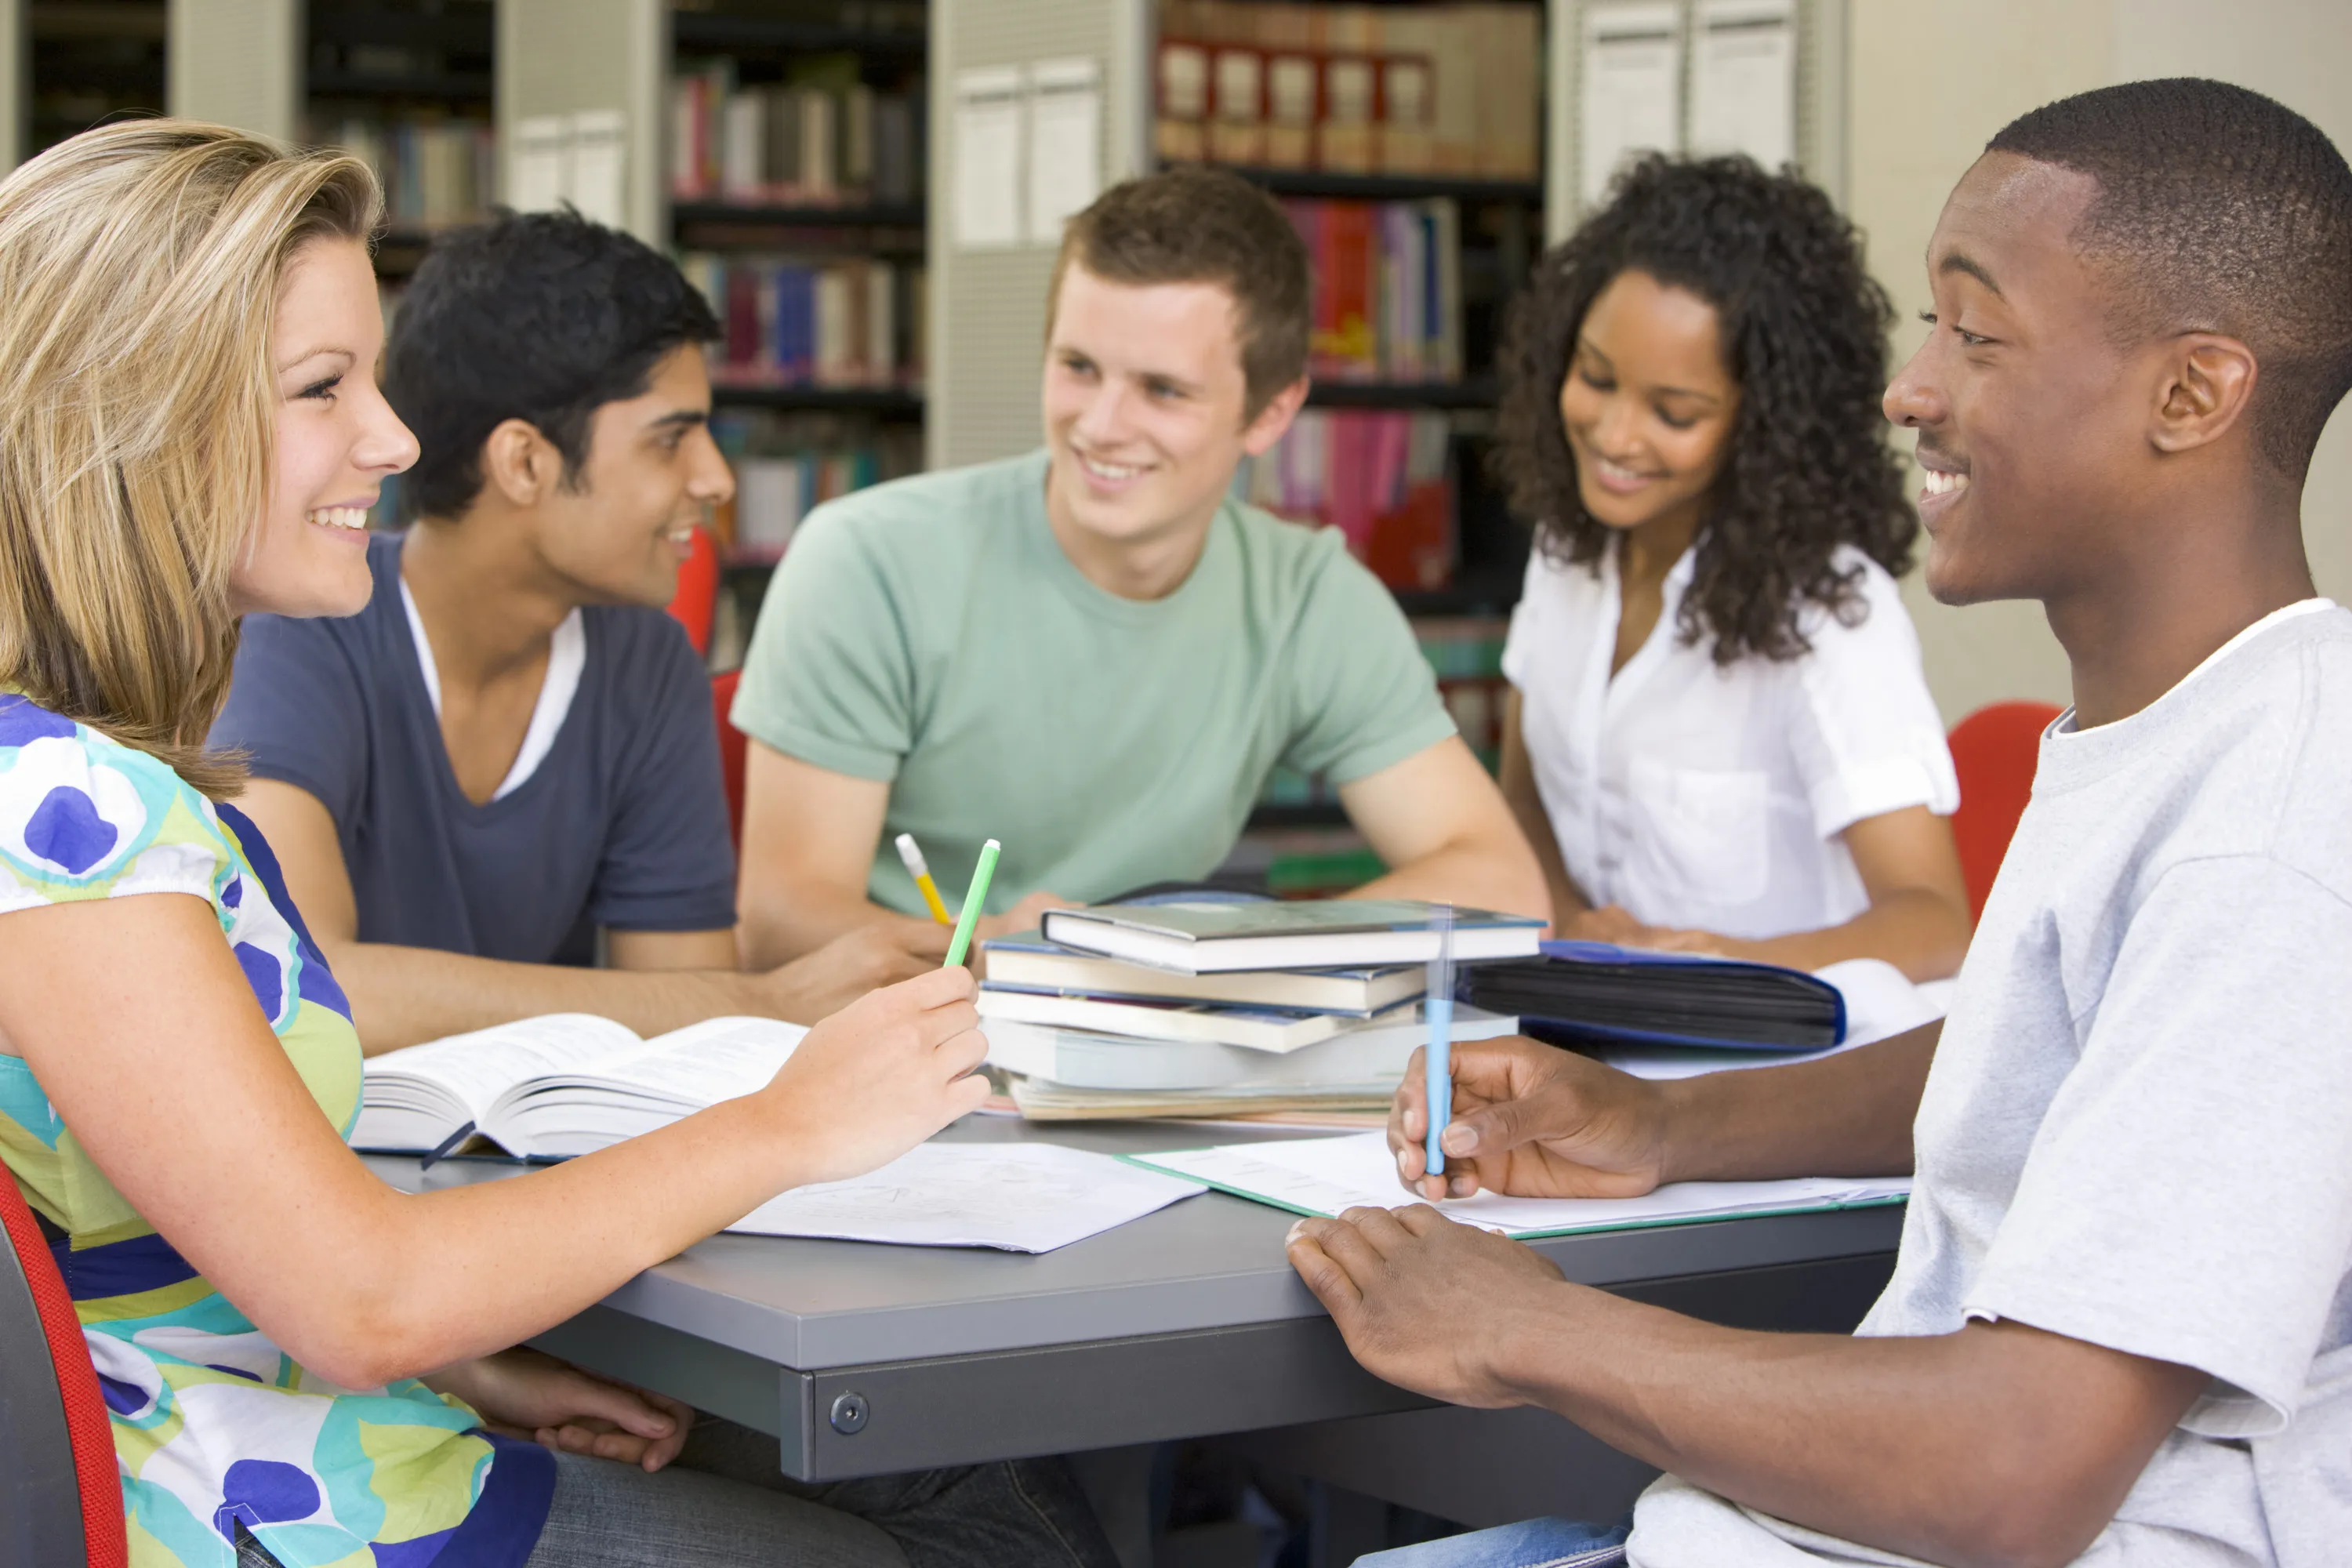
point(974, 897)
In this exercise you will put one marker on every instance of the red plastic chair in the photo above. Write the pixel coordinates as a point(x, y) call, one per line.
point(1994, 751)
point(61, 1492)
point(733, 750)
point(697, 602)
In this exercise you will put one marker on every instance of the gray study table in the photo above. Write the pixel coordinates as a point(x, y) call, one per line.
point(865, 1359)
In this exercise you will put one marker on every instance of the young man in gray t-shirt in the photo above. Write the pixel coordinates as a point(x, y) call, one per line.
point(2119, 1330)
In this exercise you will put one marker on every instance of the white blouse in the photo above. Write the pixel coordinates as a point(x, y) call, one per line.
point(1711, 797)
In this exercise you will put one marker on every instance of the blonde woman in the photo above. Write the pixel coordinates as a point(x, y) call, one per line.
point(304, 1366)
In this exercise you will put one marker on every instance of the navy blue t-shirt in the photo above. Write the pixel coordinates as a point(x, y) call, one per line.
point(622, 823)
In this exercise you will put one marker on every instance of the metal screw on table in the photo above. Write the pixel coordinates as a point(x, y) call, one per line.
point(849, 1412)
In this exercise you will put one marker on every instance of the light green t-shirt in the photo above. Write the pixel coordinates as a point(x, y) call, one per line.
point(931, 633)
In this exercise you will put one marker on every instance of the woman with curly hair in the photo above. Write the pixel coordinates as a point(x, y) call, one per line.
point(1719, 737)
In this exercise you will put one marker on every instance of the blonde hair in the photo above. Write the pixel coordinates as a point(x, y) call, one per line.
point(140, 270)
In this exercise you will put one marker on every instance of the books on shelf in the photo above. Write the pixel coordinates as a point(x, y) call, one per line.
point(1383, 477)
point(787, 464)
point(436, 172)
point(812, 320)
point(565, 1084)
point(1466, 652)
point(830, 143)
point(1447, 91)
point(1199, 938)
point(1388, 288)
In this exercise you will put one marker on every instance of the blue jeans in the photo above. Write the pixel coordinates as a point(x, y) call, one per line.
point(1530, 1543)
point(725, 1503)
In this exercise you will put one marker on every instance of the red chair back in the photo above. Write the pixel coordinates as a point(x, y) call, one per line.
point(733, 749)
point(1994, 751)
point(61, 1492)
point(697, 602)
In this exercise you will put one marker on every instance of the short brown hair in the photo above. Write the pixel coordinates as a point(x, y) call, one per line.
point(1193, 223)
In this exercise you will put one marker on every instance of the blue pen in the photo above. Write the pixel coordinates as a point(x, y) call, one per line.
point(1437, 1063)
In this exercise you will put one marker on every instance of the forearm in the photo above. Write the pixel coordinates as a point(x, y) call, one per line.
point(781, 919)
point(403, 996)
point(1904, 1443)
point(464, 1272)
point(1919, 932)
point(1844, 1115)
point(1480, 873)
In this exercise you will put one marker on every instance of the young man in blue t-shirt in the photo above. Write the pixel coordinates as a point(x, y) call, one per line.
point(510, 752)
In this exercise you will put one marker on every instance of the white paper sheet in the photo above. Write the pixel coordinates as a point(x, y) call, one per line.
point(1744, 79)
point(987, 152)
point(1065, 143)
point(1016, 1197)
point(1325, 1175)
point(1631, 89)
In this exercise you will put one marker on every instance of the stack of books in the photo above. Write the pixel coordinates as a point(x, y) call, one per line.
point(1225, 1008)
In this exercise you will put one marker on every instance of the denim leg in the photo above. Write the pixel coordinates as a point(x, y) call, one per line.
point(1020, 1513)
point(1530, 1543)
point(610, 1515)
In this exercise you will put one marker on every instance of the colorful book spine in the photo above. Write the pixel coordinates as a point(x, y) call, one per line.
point(815, 323)
point(794, 144)
point(1383, 477)
point(1388, 293)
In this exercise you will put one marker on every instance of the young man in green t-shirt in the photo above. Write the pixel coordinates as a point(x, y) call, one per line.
point(1092, 652)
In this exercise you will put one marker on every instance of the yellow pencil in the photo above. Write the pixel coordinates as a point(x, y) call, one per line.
point(918, 869)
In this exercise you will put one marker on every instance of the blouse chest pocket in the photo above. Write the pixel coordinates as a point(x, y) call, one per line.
point(1701, 834)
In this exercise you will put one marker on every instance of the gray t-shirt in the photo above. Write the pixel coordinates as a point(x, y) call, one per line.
point(2138, 1128)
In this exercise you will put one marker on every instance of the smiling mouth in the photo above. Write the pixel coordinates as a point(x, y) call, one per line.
point(352, 519)
point(1115, 472)
point(1938, 482)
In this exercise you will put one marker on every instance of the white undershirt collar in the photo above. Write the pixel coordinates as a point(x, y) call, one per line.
point(567, 657)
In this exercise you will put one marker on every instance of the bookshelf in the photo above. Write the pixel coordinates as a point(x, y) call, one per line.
point(85, 61)
point(793, 193)
point(1406, 142)
point(410, 86)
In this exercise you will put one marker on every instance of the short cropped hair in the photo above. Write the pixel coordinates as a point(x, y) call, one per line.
point(1193, 223)
point(542, 317)
point(2218, 210)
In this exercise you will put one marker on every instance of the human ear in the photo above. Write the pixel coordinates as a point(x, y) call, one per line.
point(518, 462)
point(2209, 380)
point(1260, 434)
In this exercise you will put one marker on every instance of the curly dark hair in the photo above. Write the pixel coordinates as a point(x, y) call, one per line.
point(1804, 337)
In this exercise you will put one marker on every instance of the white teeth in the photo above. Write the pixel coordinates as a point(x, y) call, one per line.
point(1109, 470)
point(1940, 483)
point(1616, 470)
point(353, 518)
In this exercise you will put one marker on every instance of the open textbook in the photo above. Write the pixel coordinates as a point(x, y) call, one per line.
point(565, 1084)
point(1327, 1175)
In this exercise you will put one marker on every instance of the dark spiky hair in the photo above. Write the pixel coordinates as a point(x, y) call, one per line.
point(2218, 210)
